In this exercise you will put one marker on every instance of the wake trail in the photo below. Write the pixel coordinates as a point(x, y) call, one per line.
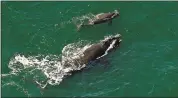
point(49, 69)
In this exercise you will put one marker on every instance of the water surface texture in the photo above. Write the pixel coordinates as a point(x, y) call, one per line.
point(34, 35)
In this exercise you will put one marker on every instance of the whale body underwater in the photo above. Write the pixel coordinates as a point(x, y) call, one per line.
point(100, 18)
point(96, 51)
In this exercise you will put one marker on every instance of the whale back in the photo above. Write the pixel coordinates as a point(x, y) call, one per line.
point(104, 15)
point(93, 52)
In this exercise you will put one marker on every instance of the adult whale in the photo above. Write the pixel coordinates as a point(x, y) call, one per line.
point(97, 50)
point(93, 52)
point(100, 18)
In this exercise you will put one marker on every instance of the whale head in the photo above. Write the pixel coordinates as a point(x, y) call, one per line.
point(112, 41)
point(115, 14)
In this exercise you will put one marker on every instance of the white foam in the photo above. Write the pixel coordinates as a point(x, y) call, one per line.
point(76, 20)
point(4, 75)
point(52, 66)
point(110, 36)
point(83, 19)
point(72, 52)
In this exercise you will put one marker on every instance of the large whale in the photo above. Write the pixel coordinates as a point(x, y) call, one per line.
point(100, 18)
point(97, 50)
point(92, 53)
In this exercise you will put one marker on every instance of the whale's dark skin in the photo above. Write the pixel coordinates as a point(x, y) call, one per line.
point(93, 52)
point(97, 50)
point(104, 18)
point(101, 18)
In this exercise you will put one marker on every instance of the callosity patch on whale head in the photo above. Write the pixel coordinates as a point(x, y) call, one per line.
point(117, 36)
point(110, 43)
point(116, 13)
point(111, 37)
point(109, 40)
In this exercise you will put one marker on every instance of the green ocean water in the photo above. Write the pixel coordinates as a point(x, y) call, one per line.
point(146, 64)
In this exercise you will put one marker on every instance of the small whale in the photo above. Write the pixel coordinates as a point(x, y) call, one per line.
point(100, 18)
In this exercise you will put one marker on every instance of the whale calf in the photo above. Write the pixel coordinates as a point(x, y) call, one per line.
point(100, 18)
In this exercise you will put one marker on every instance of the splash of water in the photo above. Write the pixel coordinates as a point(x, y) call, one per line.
point(84, 18)
point(78, 20)
point(52, 67)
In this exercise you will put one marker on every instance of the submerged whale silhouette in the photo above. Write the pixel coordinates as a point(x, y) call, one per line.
point(97, 50)
point(100, 18)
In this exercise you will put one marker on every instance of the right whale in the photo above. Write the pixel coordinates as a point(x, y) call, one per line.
point(97, 50)
point(100, 18)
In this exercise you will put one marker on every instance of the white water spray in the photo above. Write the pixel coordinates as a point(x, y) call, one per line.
point(51, 66)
